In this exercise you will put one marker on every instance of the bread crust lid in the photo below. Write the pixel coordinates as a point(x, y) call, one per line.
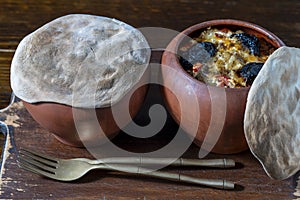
point(271, 123)
point(79, 60)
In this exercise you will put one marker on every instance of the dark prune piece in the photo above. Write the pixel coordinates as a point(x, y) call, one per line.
point(250, 71)
point(185, 64)
point(209, 47)
point(197, 53)
point(249, 41)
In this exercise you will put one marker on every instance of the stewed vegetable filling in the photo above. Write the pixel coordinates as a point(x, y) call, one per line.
point(225, 58)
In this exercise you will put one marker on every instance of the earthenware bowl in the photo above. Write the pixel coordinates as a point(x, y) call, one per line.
point(230, 138)
point(61, 121)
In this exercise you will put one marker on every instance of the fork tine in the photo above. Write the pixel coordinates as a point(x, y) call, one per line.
point(39, 154)
point(29, 160)
point(39, 157)
point(35, 170)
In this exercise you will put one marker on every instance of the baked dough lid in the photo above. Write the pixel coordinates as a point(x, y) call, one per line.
point(76, 58)
point(272, 116)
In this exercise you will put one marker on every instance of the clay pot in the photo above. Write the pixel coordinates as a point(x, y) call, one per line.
point(231, 138)
point(59, 118)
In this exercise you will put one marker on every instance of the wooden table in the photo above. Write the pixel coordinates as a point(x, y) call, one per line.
point(18, 18)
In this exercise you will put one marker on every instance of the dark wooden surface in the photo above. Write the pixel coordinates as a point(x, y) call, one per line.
point(18, 18)
point(251, 180)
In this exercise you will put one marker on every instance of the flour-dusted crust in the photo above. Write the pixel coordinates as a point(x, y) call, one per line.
point(78, 58)
point(272, 117)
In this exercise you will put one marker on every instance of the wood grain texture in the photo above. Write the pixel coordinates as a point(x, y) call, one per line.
point(18, 18)
point(252, 182)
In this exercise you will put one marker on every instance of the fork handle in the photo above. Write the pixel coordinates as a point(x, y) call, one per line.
point(219, 163)
point(215, 183)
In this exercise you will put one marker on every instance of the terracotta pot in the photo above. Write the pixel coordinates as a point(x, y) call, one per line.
point(231, 139)
point(59, 118)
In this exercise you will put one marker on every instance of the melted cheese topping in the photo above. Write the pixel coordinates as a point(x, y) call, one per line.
point(231, 55)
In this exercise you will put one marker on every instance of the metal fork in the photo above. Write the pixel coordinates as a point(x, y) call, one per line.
point(72, 169)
